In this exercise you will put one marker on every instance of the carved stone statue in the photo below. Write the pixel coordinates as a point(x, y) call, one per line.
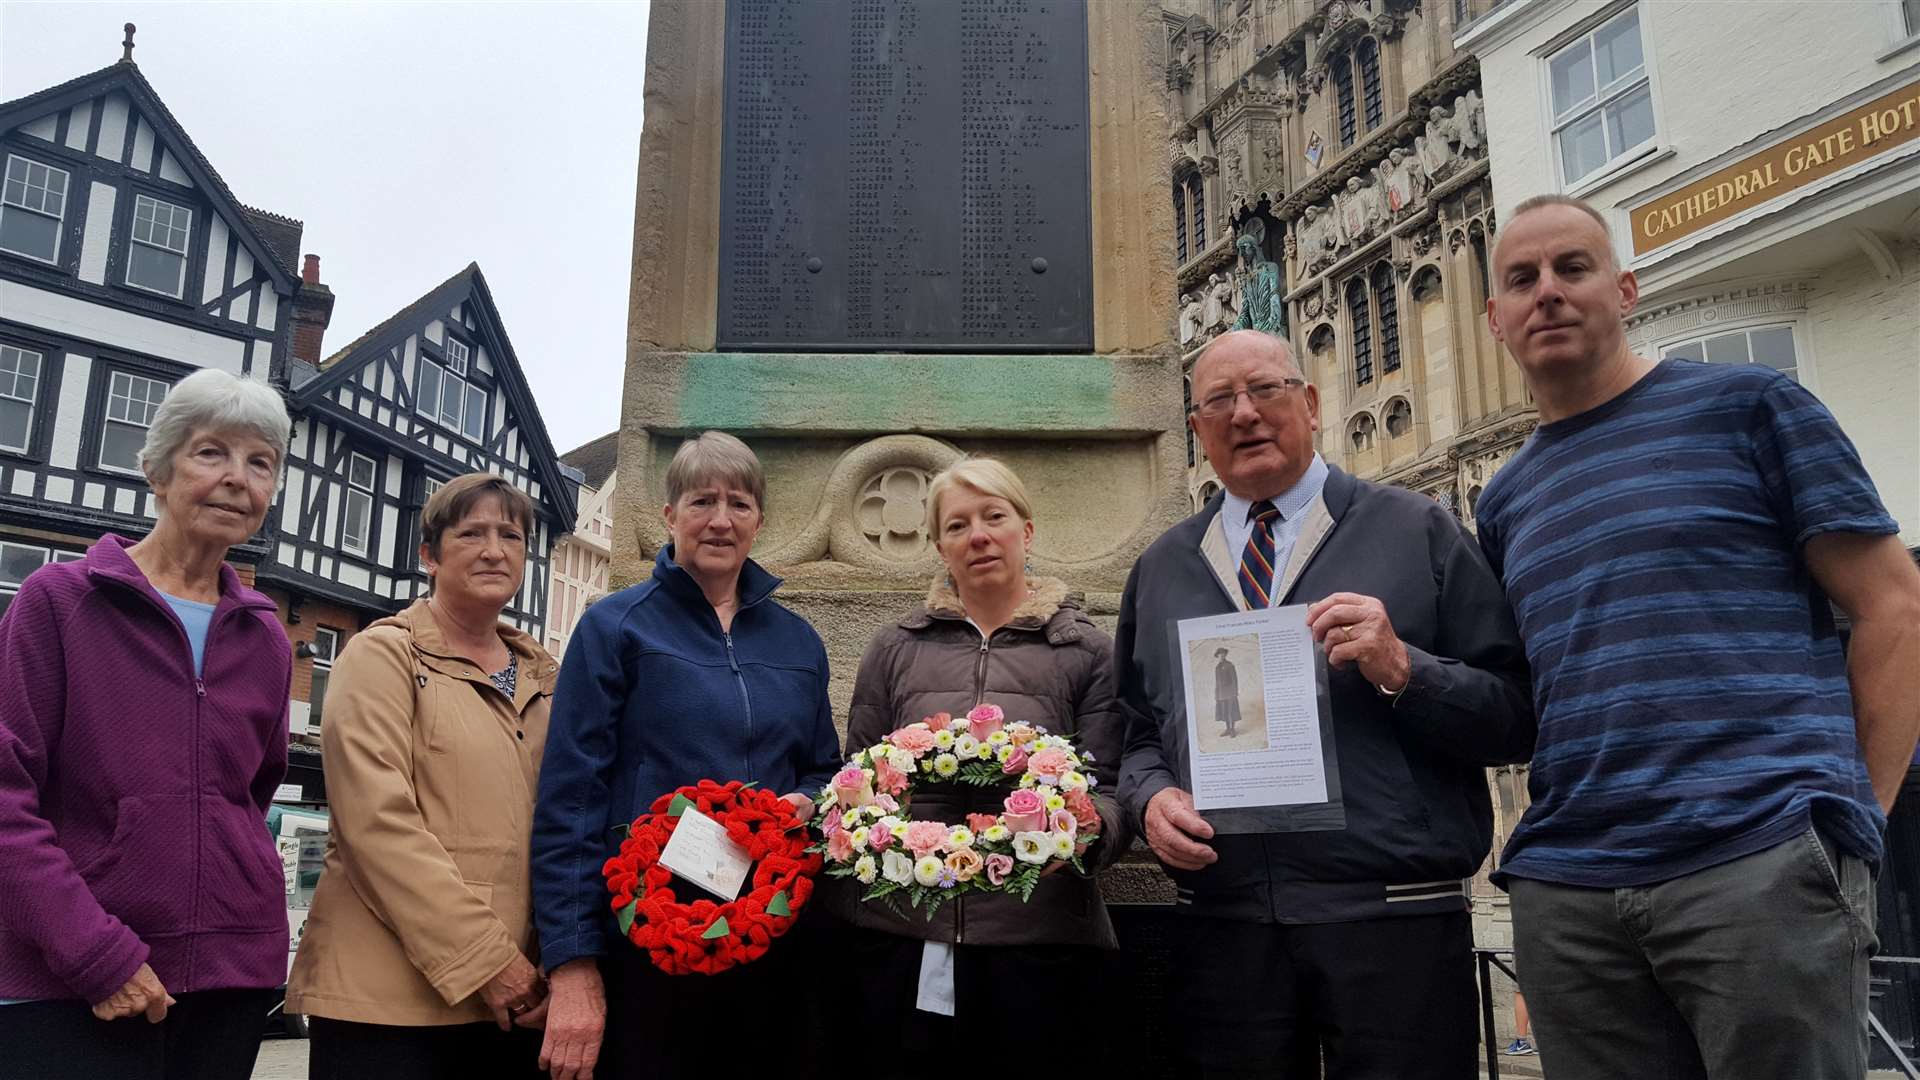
point(1236, 173)
point(1435, 148)
point(1406, 181)
point(1191, 308)
point(1262, 306)
point(1470, 121)
point(1359, 211)
point(1319, 238)
point(1222, 304)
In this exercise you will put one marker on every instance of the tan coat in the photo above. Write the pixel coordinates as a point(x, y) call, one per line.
point(431, 774)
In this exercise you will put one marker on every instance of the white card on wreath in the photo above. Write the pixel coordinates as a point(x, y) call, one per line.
point(701, 853)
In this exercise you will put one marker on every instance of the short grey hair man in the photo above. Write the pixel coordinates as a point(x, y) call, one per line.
point(214, 400)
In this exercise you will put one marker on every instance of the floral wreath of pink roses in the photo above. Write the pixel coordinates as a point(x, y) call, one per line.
point(1047, 818)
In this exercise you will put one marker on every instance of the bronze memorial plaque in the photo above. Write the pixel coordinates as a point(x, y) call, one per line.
point(906, 175)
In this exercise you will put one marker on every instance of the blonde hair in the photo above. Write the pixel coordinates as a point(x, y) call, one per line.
point(984, 475)
point(460, 496)
point(716, 457)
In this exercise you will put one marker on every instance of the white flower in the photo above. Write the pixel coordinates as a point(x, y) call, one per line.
point(865, 869)
point(901, 760)
point(851, 818)
point(896, 868)
point(1073, 781)
point(943, 739)
point(995, 833)
point(878, 750)
point(1045, 742)
point(927, 870)
point(1055, 801)
point(1033, 847)
point(1004, 753)
point(966, 746)
point(960, 837)
point(859, 838)
point(1063, 845)
point(894, 825)
point(946, 765)
point(999, 738)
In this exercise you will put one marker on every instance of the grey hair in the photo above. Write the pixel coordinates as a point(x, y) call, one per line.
point(1541, 202)
point(715, 457)
point(213, 400)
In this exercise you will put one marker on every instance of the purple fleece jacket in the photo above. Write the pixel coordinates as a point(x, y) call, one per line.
point(133, 796)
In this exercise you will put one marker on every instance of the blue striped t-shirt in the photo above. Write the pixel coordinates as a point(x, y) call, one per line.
point(1692, 696)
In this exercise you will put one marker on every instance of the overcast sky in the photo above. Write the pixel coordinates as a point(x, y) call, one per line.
point(411, 138)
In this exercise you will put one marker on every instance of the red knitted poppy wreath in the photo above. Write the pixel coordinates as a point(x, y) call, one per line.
point(707, 937)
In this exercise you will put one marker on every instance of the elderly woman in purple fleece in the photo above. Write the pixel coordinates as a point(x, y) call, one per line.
point(143, 712)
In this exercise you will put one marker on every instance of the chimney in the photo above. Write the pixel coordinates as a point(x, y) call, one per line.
point(312, 310)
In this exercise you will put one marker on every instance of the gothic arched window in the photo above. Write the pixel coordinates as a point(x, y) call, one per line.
point(1180, 223)
point(1361, 435)
point(1189, 217)
point(1362, 331)
point(1387, 303)
point(1340, 73)
point(1197, 207)
point(1367, 56)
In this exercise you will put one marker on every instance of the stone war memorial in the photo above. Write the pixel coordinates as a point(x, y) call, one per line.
point(872, 236)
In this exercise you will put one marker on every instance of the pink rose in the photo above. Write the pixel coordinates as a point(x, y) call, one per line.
point(832, 820)
point(851, 787)
point(1081, 804)
point(1016, 763)
point(980, 823)
point(985, 720)
point(887, 803)
point(1025, 812)
point(998, 867)
point(840, 845)
point(924, 837)
point(938, 721)
point(1064, 821)
point(892, 780)
point(1049, 762)
point(915, 739)
point(880, 836)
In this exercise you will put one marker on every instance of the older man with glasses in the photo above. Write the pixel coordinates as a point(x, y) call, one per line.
point(1349, 947)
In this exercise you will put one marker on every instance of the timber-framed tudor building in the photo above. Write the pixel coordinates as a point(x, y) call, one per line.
point(126, 263)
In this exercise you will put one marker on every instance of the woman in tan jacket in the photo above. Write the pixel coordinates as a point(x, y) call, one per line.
point(415, 960)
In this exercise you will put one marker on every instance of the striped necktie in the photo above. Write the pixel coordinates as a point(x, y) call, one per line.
point(1256, 562)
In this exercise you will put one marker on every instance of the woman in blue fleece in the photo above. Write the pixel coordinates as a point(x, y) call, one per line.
point(695, 673)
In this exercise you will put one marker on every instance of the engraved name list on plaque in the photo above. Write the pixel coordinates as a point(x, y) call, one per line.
point(905, 175)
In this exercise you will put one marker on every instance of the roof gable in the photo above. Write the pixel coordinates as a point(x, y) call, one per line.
point(181, 160)
point(467, 287)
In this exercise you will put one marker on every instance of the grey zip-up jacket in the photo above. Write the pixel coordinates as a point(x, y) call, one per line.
point(1418, 817)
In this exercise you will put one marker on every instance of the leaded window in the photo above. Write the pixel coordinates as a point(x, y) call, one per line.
point(1368, 57)
point(19, 390)
point(31, 209)
point(1388, 304)
point(1197, 199)
point(1340, 72)
point(132, 401)
point(1362, 332)
point(1180, 222)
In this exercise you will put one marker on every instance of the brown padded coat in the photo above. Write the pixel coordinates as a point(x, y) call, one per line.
point(1050, 666)
point(431, 773)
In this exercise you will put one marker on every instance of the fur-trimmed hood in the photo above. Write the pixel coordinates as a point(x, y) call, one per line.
point(1048, 606)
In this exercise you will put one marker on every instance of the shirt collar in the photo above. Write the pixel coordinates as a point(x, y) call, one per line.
point(1289, 502)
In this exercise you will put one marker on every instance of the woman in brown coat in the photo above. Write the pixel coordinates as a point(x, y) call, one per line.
point(988, 632)
point(415, 959)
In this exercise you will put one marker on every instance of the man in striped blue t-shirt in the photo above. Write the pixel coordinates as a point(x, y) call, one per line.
point(1691, 890)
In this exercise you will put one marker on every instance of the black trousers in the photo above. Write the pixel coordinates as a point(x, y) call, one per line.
point(764, 1014)
point(207, 1035)
point(346, 1050)
point(1060, 991)
point(1379, 999)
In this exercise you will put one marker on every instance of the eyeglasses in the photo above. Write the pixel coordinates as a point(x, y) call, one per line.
point(1259, 393)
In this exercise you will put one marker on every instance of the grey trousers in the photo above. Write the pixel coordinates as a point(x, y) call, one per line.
point(1750, 970)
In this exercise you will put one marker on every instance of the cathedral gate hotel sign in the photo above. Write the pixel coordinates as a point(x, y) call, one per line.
point(1865, 132)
